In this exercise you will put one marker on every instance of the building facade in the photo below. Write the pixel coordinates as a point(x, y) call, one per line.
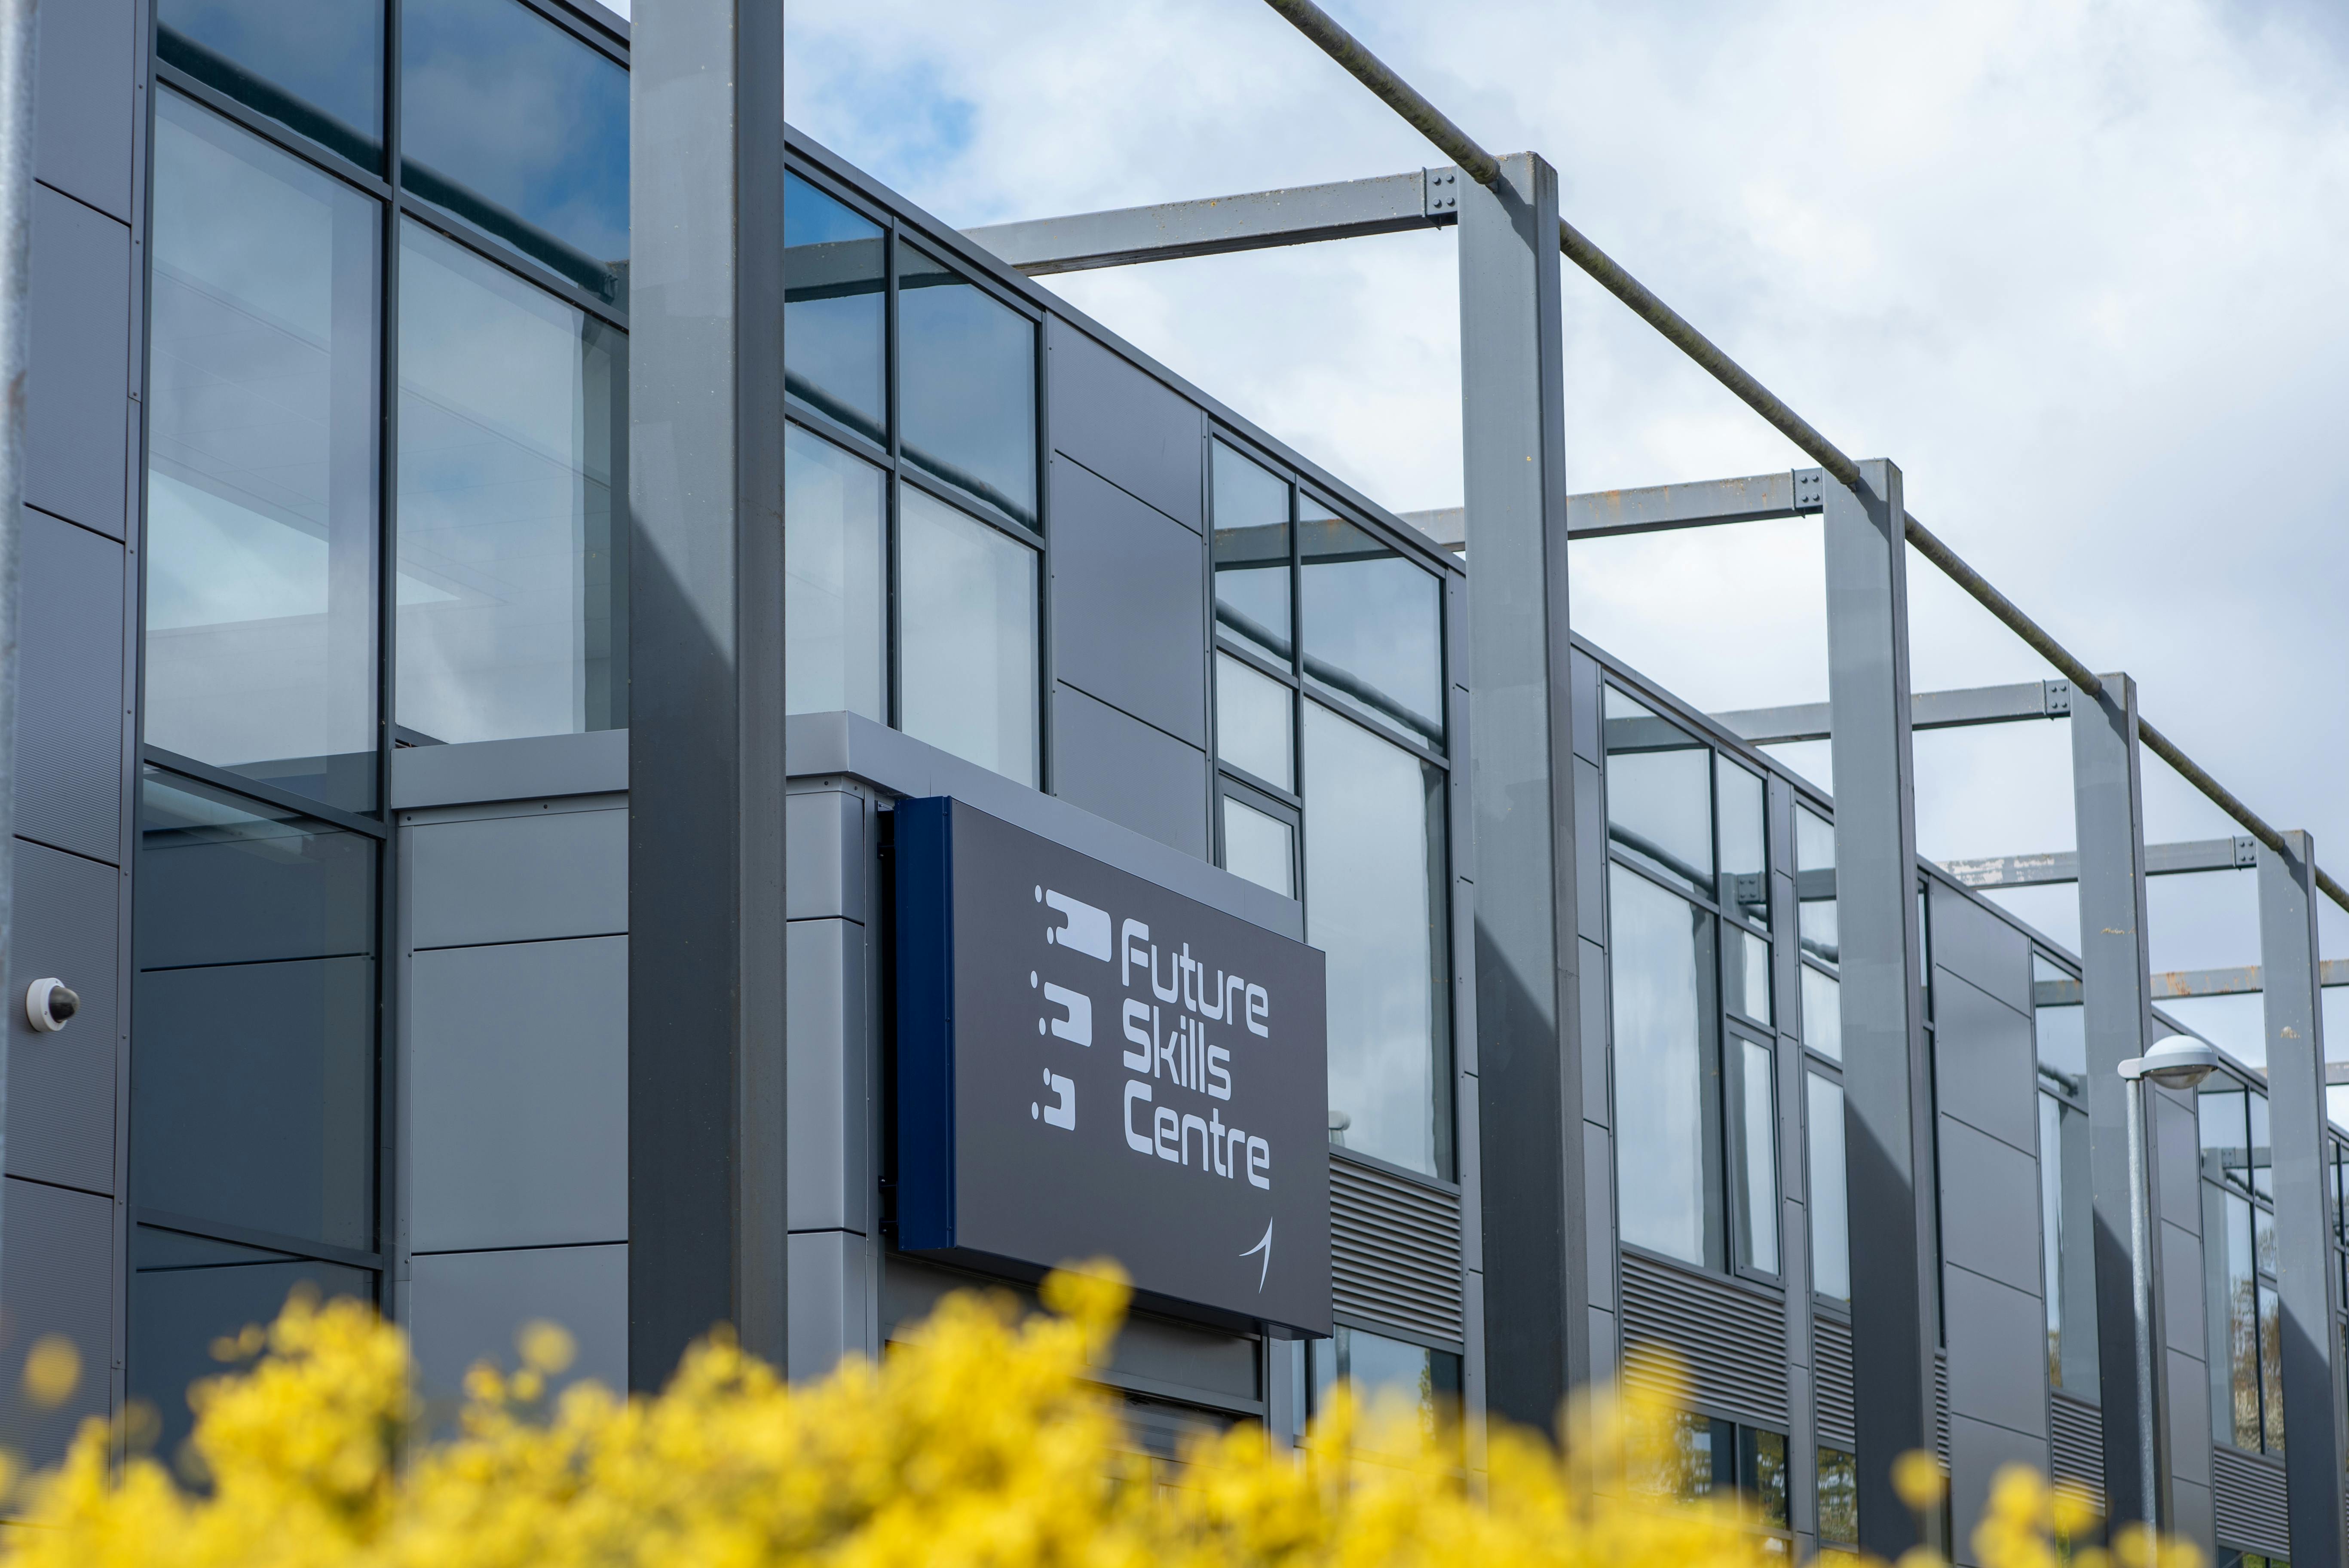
point(336, 635)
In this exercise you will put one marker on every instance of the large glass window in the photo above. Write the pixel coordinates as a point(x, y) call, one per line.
point(513, 576)
point(1830, 1200)
point(835, 612)
point(1744, 842)
point(1814, 884)
point(1658, 794)
point(1374, 902)
point(1252, 569)
point(261, 481)
point(2066, 1187)
point(1659, 951)
point(1256, 719)
point(1372, 623)
point(1383, 1371)
point(966, 388)
point(519, 129)
point(1706, 1457)
point(1753, 1185)
point(966, 677)
point(1259, 846)
point(834, 279)
point(314, 65)
point(2242, 1309)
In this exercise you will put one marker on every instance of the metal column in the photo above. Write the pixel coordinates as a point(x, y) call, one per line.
point(1539, 1320)
point(1887, 1106)
point(2307, 1275)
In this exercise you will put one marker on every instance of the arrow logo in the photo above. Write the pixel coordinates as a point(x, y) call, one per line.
point(1264, 1247)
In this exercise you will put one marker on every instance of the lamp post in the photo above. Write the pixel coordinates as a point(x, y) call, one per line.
point(2178, 1062)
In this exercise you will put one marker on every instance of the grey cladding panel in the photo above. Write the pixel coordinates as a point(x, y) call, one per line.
point(1129, 614)
point(57, 1277)
point(1123, 425)
point(829, 1105)
point(466, 1308)
point(1985, 1072)
point(1970, 940)
point(1117, 767)
point(1998, 1353)
point(825, 849)
point(85, 101)
point(77, 392)
point(1989, 1206)
point(1978, 1452)
point(61, 1085)
point(518, 1123)
point(70, 688)
point(518, 878)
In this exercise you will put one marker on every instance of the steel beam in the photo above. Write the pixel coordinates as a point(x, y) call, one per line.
point(2238, 853)
point(1889, 1136)
point(1928, 710)
point(1218, 225)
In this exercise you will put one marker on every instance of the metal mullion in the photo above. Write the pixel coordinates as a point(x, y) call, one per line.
point(389, 969)
point(1047, 666)
point(262, 790)
point(281, 136)
point(1239, 775)
point(964, 501)
point(893, 564)
point(585, 31)
point(847, 196)
point(854, 442)
point(1417, 748)
point(260, 1240)
point(1616, 857)
point(459, 232)
point(1258, 662)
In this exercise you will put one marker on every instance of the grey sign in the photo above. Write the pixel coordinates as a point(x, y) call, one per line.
point(1089, 1064)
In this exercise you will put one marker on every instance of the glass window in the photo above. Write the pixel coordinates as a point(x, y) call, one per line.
point(1252, 568)
point(314, 65)
point(835, 569)
point(1830, 1202)
point(1744, 842)
point(519, 129)
point(1373, 624)
point(2270, 1367)
point(2234, 1321)
point(252, 1088)
point(1754, 1160)
point(1815, 883)
point(1260, 847)
point(1661, 965)
point(968, 661)
point(1424, 1381)
point(966, 386)
point(1255, 721)
point(1746, 973)
point(2059, 1027)
point(1659, 793)
point(2226, 1141)
point(834, 281)
point(2068, 1231)
point(1838, 1499)
point(1374, 902)
point(260, 477)
point(2263, 1158)
point(1704, 1456)
point(2051, 1230)
point(512, 572)
point(1822, 1013)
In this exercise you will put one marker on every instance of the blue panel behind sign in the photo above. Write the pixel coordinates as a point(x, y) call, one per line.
point(1091, 1065)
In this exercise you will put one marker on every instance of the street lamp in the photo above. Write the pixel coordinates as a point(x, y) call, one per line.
point(2178, 1062)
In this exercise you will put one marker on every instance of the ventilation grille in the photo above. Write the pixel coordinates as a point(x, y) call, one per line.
point(1394, 1253)
point(2076, 1451)
point(2246, 1496)
point(1941, 1405)
point(1730, 1343)
point(1831, 1350)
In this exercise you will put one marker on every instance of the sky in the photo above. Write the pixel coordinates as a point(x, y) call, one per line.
point(2075, 266)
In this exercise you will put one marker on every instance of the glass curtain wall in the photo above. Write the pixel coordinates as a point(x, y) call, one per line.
point(361, 320)
point(2066, 1188)
point(911, 505)
point(2242, 1311)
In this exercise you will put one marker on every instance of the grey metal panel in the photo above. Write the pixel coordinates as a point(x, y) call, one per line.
point(1125, 426)
point(61, 1085)
point(2247, 1494)
point(467, 1307)
point(834, 1300)
point(1977, 1452)
point(1395, 1253)
point(1831, 1345)
point(77, 418)
point(1998, 1353)
point(1971, 942)
point(2075, 1444)
point(86, 101)
point(1129, 603)
point(518, 1095)
point(843, 743)
point(57, 1277)
point(1989, 1195)
point(830, 855)
point(534, 766)
point(518, 879)
point(830, 1100)
point(1984, 1066)
point(1730, 1341)
point(1113, 764)
point(70, 705)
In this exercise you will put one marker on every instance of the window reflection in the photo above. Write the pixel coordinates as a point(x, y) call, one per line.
point(1660, 959)
point(1375, 903)
point(1373, 625)
point(1383, 1371)
point(512, 584)
point(1252, 569)
point(968, 661)
point(1830, 1202)
point(1744, 842)
point(1659, 793)
point(314, 65)
point(1253, 719)
point(1754, 1192)
point(1260, 847)
point(519, 129)
point(966, 388)
point(2058, 1027)
point(1746, 973)
point(1822, 1013)
point(834, 565)
point(834, 281)
point(261, 504)
point(2067, 1222)
point(1814, 884)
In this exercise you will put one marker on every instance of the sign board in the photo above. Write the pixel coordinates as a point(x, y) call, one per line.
point(1089, 1064)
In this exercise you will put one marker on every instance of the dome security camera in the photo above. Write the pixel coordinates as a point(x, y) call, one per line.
point(50, 1004)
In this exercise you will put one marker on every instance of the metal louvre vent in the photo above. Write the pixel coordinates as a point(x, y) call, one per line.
point(2247, 1495)
point(1730, 1343)
point(1831, 1353)
point(1941, 1405)
point(2076, 1448)
point(1394, 1253)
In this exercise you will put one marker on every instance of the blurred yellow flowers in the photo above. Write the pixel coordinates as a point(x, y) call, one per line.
point(979, 1443)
